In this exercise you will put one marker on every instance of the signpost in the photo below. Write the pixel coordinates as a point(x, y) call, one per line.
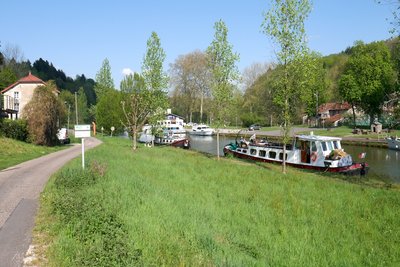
point(82, 131)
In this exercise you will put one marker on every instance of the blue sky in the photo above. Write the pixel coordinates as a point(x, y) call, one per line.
point(76, 36)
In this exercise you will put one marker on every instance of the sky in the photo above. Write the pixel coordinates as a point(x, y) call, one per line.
point(77, 35)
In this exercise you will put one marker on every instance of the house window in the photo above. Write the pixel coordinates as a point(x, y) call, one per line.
point(16, 95)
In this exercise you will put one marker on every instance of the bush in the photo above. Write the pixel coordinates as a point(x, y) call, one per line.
point(15, 129)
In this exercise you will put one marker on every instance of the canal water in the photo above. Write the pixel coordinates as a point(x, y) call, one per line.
point(384, 163)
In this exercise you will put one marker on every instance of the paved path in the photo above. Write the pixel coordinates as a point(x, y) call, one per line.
point(20, 187)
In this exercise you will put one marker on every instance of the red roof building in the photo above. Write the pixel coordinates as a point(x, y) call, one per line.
point(18, 94)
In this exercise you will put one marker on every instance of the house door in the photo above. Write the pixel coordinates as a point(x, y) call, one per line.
point(305, 151)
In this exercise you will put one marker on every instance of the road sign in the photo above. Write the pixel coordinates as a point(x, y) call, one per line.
point(82, 131)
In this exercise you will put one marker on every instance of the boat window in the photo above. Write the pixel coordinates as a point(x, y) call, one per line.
point(335, 144)
point(324, 148)
point(330, 145)
point(262, 153)
point(281, 156)
point(313, 147)
point(272, 154)
point(244, 150)
point(253, 151)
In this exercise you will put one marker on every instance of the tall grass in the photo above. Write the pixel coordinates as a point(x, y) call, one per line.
point(13, 152)
point(173, 207)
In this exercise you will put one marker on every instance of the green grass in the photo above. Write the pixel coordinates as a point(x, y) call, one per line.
point(13, 152)
point(171, 207)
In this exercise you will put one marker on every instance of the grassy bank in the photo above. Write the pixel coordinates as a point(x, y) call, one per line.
point(13, 152)
point(171, 207)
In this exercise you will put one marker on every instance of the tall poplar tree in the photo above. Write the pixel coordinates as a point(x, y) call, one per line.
point(284, 23)
point(104, 80)
point(155, 78)
point(224, 72)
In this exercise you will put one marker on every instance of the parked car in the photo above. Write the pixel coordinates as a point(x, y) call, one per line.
point(254, 127)
point(62, 136)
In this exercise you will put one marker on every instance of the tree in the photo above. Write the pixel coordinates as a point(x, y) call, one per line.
point(369, 77)
point(251, 74)
point(284, 23)
point(136, 105)
point(315, 85)
point(43, 114)
point(224, 74)
point(190, 77)
point(109, 111)
point(83, 109)
point(7, 77)
point(155, 79)
point(104, 80)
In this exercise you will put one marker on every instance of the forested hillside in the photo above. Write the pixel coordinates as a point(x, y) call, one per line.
point(258, 101)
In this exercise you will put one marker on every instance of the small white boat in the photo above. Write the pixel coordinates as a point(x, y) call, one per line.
point(146, 136)
point(393, 142)
point(320, 153)
point(202, 130)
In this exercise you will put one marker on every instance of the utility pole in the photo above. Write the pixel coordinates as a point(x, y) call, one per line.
point(76, 109)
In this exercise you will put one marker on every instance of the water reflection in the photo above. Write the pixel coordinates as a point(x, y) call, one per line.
point(384, 163)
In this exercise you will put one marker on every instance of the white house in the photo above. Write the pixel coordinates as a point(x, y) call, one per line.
point(18, 94)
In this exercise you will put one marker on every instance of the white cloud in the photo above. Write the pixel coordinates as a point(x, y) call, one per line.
point(127, 71)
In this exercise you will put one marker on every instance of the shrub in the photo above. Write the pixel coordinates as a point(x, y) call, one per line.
point(15, 129)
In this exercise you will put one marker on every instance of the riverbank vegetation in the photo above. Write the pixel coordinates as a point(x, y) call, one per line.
point(165, 206)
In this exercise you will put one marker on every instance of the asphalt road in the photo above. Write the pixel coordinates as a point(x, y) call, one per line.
point(20, 187)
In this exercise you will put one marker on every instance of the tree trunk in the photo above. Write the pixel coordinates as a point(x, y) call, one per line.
point(284, 158)
point(354, 115)
point(134, 145)
point(218, 144)
point(201, 108)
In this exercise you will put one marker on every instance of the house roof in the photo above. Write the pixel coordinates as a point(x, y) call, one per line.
point(24, 80)
point(334, 118)
point(334, 106)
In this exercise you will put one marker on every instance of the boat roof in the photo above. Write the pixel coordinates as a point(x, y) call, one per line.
point(318, 138)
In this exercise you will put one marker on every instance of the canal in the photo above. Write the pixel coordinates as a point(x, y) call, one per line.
point(384, 163)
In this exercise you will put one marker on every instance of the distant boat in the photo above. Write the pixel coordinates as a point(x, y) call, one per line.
point(202, 130)
point(146, 135)
point(320, 153)
point(176, 141)
point(393, 142)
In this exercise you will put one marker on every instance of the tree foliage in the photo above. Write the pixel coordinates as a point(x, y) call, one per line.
point(104, 80)
point(109, 112)
point(284, 23)
point(190, 78)
point(136, 104)
point(43, 114)
point(224, 75)
point(368, 78)
point(154, 76)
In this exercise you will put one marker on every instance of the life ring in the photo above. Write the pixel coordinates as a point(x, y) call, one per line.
point(314, 156)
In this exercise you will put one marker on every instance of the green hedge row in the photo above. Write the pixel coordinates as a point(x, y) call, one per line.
point(15, 129)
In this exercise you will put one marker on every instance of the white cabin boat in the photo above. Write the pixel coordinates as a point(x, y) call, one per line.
point(393, 142)
point(202, 130)
point(313, 152)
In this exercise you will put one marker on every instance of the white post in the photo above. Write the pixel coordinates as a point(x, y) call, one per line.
point(83, 153)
